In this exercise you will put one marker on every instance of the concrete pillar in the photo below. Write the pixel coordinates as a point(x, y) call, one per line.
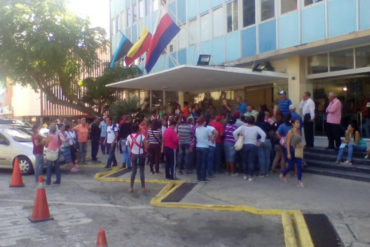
point(181, 99)
point(297, 82)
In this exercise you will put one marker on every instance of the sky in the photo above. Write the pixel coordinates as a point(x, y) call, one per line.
point(96, 10)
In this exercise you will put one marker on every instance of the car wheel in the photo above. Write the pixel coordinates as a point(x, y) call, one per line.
point(25, 165)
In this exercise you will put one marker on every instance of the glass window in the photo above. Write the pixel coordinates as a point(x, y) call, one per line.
point(114, 26)
point(183, 38)
point(141, 9)
point(134, 13)
point(249, 13)
point(288, 5)
point(123, 20)
point(341, 60)
point(205, 26)
point(155, 5)
point(309, 2)
point(129, 17)
point(363, 57)
point(147, 7)
point(193, 32)
point(318, 64)
point(267, 9)
point(218, 22)
point(232, 16)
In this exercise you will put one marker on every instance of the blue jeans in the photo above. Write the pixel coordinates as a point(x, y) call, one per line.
point(294, 161)
point(351, 148)
point(211, 160)
point(126, 153)
point(112, 155)
point(183, 158)
point(39, 162)
point(264, 154)
point(249, 156)
point(217, 157)
point(202, 155)
point(49, 170)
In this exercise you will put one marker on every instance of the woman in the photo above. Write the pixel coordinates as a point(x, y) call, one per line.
point(137, 143)
point(229, 143)
point(202, 137)
point(354, 143)
point(294, 146)
point(52, 143)
point(82, 131)
point(170, 143)
point(73, 145)
point(38, 150)
point(250, 134)
point(65, 147)
point(155, 142)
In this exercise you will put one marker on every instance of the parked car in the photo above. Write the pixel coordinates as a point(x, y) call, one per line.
point(15, 142)
point(18, 123)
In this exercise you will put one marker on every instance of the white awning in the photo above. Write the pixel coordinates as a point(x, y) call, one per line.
point(197, 79)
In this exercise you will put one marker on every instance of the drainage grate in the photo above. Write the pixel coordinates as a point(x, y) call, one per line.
point(179, 193)
point(322, 231)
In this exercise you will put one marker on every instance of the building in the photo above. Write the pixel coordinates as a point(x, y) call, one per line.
point(308, 45)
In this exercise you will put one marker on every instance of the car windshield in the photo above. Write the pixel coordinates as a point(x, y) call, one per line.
point(19, 135)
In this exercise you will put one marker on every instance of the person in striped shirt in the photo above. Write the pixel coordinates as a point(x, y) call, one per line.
point(184, 131)
point(155, 142)
point(229, 143)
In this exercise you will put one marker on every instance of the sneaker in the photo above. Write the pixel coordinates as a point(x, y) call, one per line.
point(348, 162)
point(245, 177)
point(75, 169)
point(366, 156)
point(250, 179)
point(300, 184)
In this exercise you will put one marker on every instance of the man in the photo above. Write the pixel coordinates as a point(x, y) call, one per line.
point(103, 134)
point(185, 132)
point(111, 142)
point(308, 111)
point(295, 115)
point(251, 112)
point(82, 131)
point(333, 119)
point(284, 103)
point(217, 124)
point(95, 138)
point(242, 106)
point(124, 130)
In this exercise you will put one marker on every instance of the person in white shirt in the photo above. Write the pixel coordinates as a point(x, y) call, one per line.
point(211, 148)
point(307, 106)
point(111, 142)
point(251, 134)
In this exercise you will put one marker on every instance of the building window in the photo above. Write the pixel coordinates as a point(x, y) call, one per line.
point(134, 13)
point(249, 13)
point(155, 5)
point(363, 57)
point(218, 22)
point(318, 64)
point(183, 38)
point(129, 17)
point(205, 26)
point(309, 2)
point(267, 9)
point(114, 26)
point(288, 5)
point(141, 9)
point(232, 16)
point(193, 32)
point(147, 7)
point(123, 20)
point(341, 60)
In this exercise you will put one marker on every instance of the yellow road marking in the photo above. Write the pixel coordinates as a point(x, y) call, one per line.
point(304, 237)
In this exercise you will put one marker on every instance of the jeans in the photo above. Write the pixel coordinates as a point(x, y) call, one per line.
point(264, 153)
point(126, 153)
point(184, 157)
point(292, 162)
point(82, 152)
point(94, 148)
point(138, 160)
point(154, 151)
point(102, 145)
point(211, 160)
point(202, 155)
point(39, 162)
point(49, 170)
point(112, 155)
point(217, 157)
point(170, 162)
point(229, 152)
point(351, 148)
point(249, 156)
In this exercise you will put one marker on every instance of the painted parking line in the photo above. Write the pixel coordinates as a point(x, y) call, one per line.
point(291, 219)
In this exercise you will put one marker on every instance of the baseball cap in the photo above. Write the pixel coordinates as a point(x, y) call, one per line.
point(282, 92)
point(291, 107)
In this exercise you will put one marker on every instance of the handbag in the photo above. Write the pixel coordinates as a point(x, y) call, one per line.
point(51, 155)
point(239, 143)
point(298, 151)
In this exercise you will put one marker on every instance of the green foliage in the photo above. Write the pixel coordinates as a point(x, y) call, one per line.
point(129, 106)
point(43, 45)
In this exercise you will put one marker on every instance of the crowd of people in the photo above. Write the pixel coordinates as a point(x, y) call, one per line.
point(199, 138)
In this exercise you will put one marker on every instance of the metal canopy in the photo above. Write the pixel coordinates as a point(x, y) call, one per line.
point(197, 79)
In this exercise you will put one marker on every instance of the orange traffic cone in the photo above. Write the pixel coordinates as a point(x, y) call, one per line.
point(101, 241)
point(17, 180)
point(40, 208)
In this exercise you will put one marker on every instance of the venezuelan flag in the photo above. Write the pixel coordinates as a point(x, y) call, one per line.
point(163, 35)
point(123, 47)
point(139, 48)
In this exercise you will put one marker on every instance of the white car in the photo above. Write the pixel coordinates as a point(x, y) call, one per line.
point(16, 142)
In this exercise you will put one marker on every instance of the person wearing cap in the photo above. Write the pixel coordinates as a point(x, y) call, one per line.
point(295, 115)
point(217, 124)
point(284, 103)
point(308, 111)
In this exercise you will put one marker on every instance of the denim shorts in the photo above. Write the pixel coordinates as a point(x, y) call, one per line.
point(229, 152)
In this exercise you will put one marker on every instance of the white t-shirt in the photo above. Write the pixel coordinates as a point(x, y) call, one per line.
point(211, 129)
point(202, 134)
point(138, 146)
point(250, 134)
point(111, 133)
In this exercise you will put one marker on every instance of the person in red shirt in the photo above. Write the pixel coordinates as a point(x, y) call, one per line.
point(185, 111)
point(217, 124)
point(170, 142)
point(38, 150)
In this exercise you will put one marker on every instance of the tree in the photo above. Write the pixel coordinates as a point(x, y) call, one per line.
point(45, 46)
point(128, 106)
point(98, 95)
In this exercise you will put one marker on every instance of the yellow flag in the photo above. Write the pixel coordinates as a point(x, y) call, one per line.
point(134, 49)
